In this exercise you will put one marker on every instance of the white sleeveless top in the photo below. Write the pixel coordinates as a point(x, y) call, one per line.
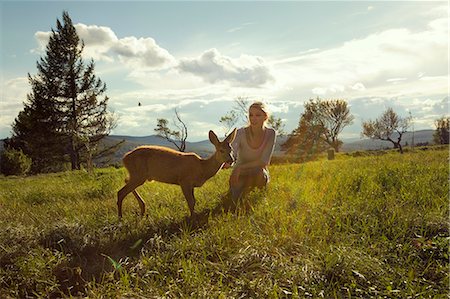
point(244, 153)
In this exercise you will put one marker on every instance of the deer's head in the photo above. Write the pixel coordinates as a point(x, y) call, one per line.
point(224, 152)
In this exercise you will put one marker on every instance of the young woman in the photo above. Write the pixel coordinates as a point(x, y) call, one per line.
point(253, 148)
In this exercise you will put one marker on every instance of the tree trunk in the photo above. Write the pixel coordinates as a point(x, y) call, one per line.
point(400, 148)
point(73, 155)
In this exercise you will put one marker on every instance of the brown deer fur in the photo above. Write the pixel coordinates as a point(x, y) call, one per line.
point(188, 170)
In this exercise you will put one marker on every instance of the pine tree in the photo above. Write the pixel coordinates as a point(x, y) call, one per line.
point(66, 113)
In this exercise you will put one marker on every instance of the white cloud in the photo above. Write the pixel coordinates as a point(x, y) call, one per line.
point(101, 43)
point(442, 107)
point(213, 67)
point(97, 39)
point(371, 61)
point(13, 93)
point(395, 80)
point(239, 27)
point(142, 53)
point(42, 39)
point(358, 87)
point(96, 35)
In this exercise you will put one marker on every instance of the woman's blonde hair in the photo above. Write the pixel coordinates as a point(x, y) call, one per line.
point(261, 106)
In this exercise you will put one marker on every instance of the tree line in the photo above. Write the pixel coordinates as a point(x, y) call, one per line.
point(319, 127)
point(65, 116)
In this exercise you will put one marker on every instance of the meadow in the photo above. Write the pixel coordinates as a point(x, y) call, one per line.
point(355, 227)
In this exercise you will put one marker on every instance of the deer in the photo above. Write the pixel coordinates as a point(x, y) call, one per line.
point(162, 164)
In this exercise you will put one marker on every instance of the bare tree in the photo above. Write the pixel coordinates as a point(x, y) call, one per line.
point(229, 121)
point(177, 138)
point(385, 127)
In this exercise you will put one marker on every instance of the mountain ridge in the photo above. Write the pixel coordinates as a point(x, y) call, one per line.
point(204, 148)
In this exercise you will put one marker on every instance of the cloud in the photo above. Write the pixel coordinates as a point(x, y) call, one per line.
point(42, 39)
point(358, 87)
point(97, 40)
point(396, 80)
point(239, 27)
point(388, 55)
point(142, 53)
point(94, 35)
point(13, 94)
point(442, 107)
point(213, 67)
point(101, 43)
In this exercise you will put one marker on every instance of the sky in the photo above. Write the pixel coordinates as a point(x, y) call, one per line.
point(199, 57)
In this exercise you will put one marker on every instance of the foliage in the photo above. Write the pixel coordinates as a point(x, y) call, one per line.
point(64, 116)
point(385, 126)
point(319, 127)
point(14, 162)
point(229, 121)
point(178, 138)
point(305, 141)
point(441, 135)
point(366, 227)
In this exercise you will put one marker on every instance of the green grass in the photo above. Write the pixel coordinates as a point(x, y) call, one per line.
point(372, 226)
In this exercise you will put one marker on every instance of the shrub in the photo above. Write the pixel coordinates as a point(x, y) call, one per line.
point(14, 162)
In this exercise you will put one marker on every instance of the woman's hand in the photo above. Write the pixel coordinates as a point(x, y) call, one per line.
point(234, 178)
point(226, 165)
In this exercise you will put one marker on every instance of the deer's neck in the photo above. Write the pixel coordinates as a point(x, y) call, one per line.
point(210, 167)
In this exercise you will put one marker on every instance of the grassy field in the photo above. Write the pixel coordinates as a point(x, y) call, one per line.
point(375, 226)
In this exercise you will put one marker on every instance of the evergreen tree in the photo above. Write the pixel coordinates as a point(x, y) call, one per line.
point(66, 113)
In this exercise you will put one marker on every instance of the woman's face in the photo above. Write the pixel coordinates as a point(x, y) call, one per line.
point(256, 116)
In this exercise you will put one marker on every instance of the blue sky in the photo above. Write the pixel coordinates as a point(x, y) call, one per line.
point(200, 56)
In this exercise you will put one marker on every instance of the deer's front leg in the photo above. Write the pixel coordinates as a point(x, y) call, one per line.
point(188, 192)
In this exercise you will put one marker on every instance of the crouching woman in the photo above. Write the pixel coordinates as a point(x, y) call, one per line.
point(253, 148)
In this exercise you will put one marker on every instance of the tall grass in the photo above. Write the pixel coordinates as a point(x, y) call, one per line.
point(373, 226)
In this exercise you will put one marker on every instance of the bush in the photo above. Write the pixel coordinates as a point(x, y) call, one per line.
point(14, 162)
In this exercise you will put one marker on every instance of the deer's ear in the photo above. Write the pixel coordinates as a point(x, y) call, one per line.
point(213, 138)
point(231, 136)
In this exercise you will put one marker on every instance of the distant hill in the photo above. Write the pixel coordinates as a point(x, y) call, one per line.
point(202, 148)
point(205, 148)
point(420, 137)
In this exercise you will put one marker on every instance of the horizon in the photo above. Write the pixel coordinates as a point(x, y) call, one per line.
point(372, 54)
point(350, 139)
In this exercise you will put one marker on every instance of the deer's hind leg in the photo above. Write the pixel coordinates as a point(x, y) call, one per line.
point(129, 187)
point(140, 202)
